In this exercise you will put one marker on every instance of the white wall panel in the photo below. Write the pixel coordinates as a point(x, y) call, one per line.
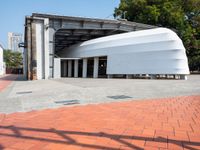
point(40, 50)
point(153, 51)
point(57, 67)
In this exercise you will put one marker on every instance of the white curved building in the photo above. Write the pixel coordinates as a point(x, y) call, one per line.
point(65, 46)
point(152, 52)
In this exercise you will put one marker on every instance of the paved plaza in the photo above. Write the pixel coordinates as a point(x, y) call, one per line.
point(34, 95)
point(110, 114)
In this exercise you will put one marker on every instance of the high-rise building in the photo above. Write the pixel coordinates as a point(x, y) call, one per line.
point(13, 40)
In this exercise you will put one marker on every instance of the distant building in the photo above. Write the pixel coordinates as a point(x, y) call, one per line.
point(13, 40)
point(2, 64)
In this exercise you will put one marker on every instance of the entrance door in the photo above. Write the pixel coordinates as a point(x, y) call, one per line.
point(102, 67)
point(90, 67)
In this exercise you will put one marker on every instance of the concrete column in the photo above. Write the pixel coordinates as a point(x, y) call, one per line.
point(51, 51)
point(33, 53)
point(28, 60)
point(96, 67)
point(29, 41)
point(84, 73)
point(65, 68)
point(76, 68)
point(69, 68)
point(25, 63)
point(46, 49)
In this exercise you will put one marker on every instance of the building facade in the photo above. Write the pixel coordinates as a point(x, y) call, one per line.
point(2, 64)
point(62, 46)
point(149, 52)
point(13, 41)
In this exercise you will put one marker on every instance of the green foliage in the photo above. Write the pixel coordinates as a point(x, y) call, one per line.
point(181, 15)
point(194, 62)
point(12, 59)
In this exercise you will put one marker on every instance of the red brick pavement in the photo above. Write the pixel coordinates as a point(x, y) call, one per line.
point(162, 124)
point(6, 80)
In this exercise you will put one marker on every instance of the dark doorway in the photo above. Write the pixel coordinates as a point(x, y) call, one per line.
point(90, 67)
point(102, 67)
point(80, 67)
point(62, 69)
point(72, 68)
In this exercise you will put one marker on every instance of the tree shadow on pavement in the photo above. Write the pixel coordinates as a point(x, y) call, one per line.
point(1, 147)
point(66, 137)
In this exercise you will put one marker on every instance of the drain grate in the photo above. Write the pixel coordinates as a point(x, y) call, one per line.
point(68, 102)
point(119, 97)
point(24, 92)
point(71, 103)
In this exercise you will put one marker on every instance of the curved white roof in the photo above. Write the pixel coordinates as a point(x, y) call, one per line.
point(153, 51)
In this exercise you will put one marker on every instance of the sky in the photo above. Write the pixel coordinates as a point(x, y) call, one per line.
point(13, 12)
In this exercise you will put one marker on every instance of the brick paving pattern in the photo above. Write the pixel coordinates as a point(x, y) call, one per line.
point(172, 123)
point(6, 80)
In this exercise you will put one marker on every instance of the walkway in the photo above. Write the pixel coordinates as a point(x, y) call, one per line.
point(6, 80)
point(23, 96)
point(172, 123)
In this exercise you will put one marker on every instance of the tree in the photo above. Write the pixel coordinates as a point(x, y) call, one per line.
point(181, 15)
point(12, 59)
